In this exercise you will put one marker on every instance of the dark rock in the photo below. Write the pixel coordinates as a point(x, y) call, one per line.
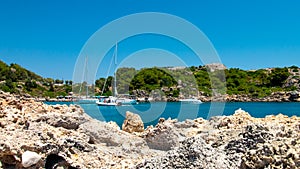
point(53, 161)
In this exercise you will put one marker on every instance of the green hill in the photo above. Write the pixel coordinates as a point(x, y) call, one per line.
point(16, 79)
point(256, 83)
point(172, 81)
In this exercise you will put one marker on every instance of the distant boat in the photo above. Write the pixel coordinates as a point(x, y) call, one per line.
point(86, 99)
point(190, 101)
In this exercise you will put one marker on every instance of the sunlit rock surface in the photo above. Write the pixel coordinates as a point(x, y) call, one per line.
point(36, 135)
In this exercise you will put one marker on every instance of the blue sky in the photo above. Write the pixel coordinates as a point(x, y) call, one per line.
point(47, 36)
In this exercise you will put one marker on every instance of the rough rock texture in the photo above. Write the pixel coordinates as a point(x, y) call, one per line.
point(126, 143)
point(192, 153)
point(237, 141)
point(132, 123)
point(164, 136)
point(63, 136)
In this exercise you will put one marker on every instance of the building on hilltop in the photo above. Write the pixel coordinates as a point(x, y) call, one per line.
point(215, 66)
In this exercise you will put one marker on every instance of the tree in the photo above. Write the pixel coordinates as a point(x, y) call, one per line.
point(100, 82)
point(68, 82)
point(9, 83)
point(48, 81)
point(68, 89)
point(278, 77)
point(152, 78)
point(30, 84)
point(57, 81)
point(193, 68)
point(51, 89)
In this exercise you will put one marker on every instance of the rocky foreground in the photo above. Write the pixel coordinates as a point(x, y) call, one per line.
point(35, 135)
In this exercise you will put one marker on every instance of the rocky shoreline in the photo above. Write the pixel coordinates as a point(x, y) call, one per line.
point(274, 97)
point(36, 135)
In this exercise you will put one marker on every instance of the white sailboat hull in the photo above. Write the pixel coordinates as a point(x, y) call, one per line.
point(106, 104)
point(190, 101)
point(125, 101)
point(107, 101)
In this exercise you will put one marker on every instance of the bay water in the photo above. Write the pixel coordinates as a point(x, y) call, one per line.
point(151, 112)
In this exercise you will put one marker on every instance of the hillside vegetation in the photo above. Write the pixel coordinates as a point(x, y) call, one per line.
point(16, 79)
point(170, 81)
point(257, 83)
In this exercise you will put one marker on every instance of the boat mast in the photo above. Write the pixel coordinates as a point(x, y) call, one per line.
point(86, 73)
point(114, 59)
point(84, 77)
point(115, 73)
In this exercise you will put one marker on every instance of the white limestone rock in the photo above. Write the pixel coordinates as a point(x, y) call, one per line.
point(30, 158)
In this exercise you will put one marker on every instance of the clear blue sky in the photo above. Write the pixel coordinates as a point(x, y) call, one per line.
point(47, 36)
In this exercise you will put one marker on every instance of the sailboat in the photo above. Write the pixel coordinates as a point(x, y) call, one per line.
point(126, 99)
point(86, 99)
point(115, 100)
point(107, 101)
point(192, 100)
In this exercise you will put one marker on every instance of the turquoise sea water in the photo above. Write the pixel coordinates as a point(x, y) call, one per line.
point(151, 112)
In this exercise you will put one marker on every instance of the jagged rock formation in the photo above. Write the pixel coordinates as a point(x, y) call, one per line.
point(238, 141)
point(164, 136)
point(132, 123)
point(192, 153)
point(35, 135)
point(62, 136)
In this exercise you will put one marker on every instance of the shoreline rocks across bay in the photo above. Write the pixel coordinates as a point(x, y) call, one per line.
point(36, 135)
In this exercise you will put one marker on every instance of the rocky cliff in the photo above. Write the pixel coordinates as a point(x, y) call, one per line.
point(36, 135)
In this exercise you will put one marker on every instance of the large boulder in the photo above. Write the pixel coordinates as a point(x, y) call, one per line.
point(132, 123)
point(109, 135)
point(163, 136)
